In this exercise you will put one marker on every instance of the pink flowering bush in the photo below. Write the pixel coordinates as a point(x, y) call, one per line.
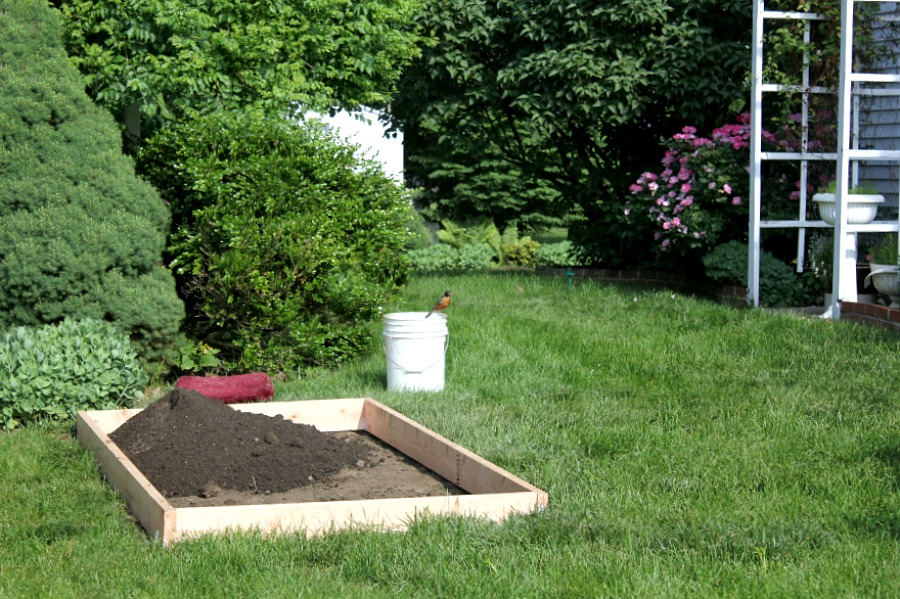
point(699, 199)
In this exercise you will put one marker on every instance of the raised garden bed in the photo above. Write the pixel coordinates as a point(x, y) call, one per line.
point(471, 486)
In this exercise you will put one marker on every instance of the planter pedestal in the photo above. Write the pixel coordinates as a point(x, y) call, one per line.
point(861, 210)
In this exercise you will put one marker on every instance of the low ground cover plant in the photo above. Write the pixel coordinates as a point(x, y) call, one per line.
point(53, 371)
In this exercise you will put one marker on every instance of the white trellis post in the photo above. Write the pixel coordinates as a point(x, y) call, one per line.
point(757, 156)
point(756, 81)
point(846, 157)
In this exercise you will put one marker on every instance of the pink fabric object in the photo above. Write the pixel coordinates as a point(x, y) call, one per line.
point(237, 388)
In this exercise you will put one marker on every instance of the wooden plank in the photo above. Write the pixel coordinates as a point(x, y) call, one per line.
point(328, 415)
point(150, 508)
point(322, 517)
point(455, 463)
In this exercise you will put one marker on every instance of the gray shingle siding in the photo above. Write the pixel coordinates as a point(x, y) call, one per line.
point(880, 115)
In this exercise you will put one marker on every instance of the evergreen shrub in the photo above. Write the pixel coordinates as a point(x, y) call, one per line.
point(286, 243)
point(81, 235)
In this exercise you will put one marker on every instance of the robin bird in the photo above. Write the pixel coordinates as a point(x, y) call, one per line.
point(441, 304)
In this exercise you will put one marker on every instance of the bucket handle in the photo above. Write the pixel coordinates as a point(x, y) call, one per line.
point(384, 345)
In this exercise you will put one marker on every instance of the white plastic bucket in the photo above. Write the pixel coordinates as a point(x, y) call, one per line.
point(416, 349)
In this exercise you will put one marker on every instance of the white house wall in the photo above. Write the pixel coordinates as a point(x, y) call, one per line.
point(369, 135)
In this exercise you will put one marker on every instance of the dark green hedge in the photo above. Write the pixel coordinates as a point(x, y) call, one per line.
point(80, 234)
point(286, 242)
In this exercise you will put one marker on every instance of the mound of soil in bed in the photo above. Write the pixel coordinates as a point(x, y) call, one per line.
point(198, 451)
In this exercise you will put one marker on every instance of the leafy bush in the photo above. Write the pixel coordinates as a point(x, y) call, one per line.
point(521, 252)
point(555, 254)
point(474, 256)
point(196, 356)
point(779, 285)
point(80, 235)
point(820, 258)
point(517, 250)
point(435, 257)
point(484, 232)
point(471, 256)
point(420, 236)
point(885, 250)
point(699, 199)
point(56, 370)
point(286, 242)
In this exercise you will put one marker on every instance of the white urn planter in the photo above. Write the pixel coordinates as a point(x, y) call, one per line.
point(886, 280)
point(861, 208)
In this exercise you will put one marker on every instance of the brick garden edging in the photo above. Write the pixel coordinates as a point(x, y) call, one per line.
point(872, 315)
point(867, 314)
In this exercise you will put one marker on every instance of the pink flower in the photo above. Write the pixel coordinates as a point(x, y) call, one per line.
point(653, 186)
point(795, 195)
point(736, 201)
point(726, 188)
point(635, 188)
point(685, 188)
point(666, 242)
point(690, 130)
point(687, 201)
point(685, 174)
point(648, 176)
point(676, 221)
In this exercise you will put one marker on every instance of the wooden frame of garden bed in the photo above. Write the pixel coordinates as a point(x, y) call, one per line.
point(493, 492)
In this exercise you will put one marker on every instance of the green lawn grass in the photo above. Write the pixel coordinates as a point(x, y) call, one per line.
point(689, 449)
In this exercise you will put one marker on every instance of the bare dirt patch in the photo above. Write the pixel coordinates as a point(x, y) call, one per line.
point(198, 451)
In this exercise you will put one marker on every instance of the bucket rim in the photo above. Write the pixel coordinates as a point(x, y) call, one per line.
point(404, 316)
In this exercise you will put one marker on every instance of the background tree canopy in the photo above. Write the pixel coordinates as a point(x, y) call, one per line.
point(174, 58)
point(572, 94)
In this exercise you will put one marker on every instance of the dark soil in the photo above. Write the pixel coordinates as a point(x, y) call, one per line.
point(200, 451)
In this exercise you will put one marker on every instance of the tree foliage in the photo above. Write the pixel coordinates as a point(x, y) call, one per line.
point(80, 235)
point(573, 93)
point(177, 57)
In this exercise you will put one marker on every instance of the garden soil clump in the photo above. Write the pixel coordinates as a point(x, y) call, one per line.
point(198, 451)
